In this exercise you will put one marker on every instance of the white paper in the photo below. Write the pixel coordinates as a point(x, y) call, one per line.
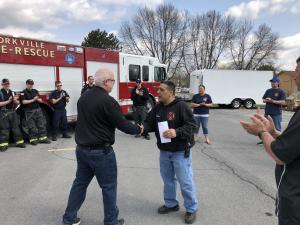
point(162, 127)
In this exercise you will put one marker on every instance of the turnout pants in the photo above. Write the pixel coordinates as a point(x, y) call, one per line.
point(9, 121)
point(34, 125)
point(60, 118)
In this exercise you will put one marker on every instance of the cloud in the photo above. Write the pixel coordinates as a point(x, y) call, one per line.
point(52, 14)
point(296, 8)
point(20, 32)
point(253, 9)
point(289, 52)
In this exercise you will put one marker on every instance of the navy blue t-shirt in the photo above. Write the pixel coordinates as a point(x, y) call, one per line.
point(275, 94)
point(201, 110)
point(61, 104)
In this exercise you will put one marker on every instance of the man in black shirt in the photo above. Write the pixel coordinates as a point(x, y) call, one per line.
point(139, 97)
point(59, 98)
point(89, 85)
point(283, 148)
point(34, 122)
point(95, 134)
point(9, 119)
point(174, 126)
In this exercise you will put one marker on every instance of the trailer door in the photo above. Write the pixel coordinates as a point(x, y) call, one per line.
point(71, 79)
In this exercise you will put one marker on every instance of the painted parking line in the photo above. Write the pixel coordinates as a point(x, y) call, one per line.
point(61, 149)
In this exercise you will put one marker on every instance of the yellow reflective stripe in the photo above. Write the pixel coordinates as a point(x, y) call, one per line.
point(34, 139)
point(20, 142)
point(3, 144)
point(43, 138)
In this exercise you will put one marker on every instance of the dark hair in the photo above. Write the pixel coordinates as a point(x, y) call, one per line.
point(201, 85)
point(57, 82)
point(5, 80)
point(298, 60)
point(90, 77)
point(171, 86)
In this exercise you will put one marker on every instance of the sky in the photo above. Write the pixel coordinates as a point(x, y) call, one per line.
point(70, 21)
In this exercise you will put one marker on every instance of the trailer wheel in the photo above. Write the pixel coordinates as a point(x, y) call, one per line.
point(150, 104)
point(236, 103)
point(249, 103)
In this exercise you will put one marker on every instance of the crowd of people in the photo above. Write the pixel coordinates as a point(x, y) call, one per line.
point(176, 127)
point(32, 123)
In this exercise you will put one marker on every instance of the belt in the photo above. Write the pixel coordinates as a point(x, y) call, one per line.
point(95, 147)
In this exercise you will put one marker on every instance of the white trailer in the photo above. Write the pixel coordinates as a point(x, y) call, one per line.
point(232, 87)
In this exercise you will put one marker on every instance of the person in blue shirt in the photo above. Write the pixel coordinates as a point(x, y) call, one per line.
point(201, 103)
point(274, 99)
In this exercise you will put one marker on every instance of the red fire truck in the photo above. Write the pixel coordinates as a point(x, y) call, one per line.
point(46, 62)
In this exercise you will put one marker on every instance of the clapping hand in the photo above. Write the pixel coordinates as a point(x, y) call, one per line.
point(142, 128)
point(10, 99)
point(256, 126)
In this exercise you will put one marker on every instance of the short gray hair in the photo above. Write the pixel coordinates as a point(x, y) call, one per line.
point(102, 75)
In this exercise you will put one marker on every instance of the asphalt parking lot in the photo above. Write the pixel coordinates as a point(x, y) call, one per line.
point(234, 179)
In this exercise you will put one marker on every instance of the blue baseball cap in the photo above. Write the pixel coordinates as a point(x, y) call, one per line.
point(275, 79)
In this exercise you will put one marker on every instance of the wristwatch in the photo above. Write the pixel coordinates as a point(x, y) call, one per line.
point(260, 133)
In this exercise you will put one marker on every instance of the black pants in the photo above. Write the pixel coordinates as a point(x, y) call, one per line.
point(34, 125)
point(59, 118)
point(10, 121)
point(139, 114)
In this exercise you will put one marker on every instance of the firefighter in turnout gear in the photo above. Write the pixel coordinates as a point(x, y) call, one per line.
point(34, 122)
point(59, 98)
point(9, 119)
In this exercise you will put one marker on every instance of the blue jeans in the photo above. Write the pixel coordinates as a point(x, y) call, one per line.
point(102, 164)
point(173, 167)
point(203, 121)
point(277, 121)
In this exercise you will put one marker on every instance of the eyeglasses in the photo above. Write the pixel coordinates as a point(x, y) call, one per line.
point(59, 85)
point(112, 80)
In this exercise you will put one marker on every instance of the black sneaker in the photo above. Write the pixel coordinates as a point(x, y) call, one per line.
point(34, 142)
point(164, 210)
point(3, 148)
point(46, 141)
point(76, 222)
point(21, 145)
point(66, 136)
point(121, 222)
point(147, 137)
point(54, 138)
point(189, 218)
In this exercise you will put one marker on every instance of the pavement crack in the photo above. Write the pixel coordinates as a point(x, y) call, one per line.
point(234, 172)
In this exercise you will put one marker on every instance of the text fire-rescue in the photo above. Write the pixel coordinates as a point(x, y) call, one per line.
point(24, 47)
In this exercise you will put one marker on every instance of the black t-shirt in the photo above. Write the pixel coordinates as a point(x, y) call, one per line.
point(6, 95)
point(287, 148)
point(140, 100)
point(86, 88)
point(61, 104)
point(201, 110)
point(28, 95)
point(275, 94)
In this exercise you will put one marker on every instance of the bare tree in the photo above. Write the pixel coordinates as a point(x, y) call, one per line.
point(250, 50)
point(211, 34)
point(159, 33)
